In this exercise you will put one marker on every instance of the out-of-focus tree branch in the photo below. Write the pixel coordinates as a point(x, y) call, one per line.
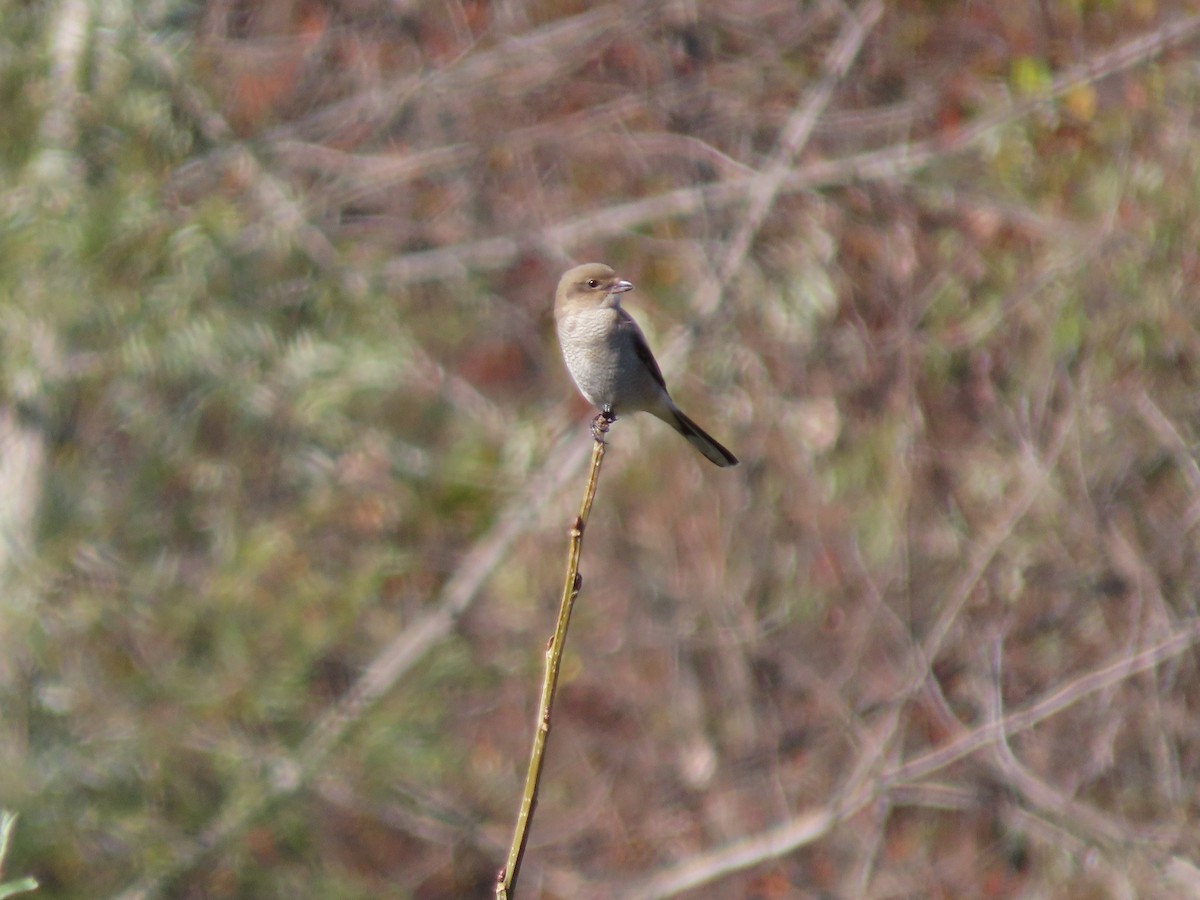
point(813, 824)
point(889, 163)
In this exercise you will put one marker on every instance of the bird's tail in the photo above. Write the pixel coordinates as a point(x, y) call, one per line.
point(701, 439)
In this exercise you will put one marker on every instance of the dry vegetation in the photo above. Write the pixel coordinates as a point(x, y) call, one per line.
point(289, 456)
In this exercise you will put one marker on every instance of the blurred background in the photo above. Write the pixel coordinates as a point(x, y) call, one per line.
point(288, 455)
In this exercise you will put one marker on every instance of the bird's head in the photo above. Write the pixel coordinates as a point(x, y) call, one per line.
point(592, 284)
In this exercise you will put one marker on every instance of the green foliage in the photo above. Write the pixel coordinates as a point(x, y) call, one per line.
point(1030, 76)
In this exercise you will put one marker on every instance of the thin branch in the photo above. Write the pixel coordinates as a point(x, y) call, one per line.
point(813, 824)
point(765, 187)
point(1069, 812)
point(1050, 704)
point(506, 880)
point(861, 785)
point(892, 162)
point(1168, 435)
point(985, 548)
point(519, 63)
point(886, 164)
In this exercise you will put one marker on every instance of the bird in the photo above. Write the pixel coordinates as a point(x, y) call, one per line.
point(609, 359)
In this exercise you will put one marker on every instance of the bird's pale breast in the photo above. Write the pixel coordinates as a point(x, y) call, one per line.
point(592, 355)
point(600, 353)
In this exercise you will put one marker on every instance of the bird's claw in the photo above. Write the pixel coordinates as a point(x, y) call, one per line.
point(601, 424)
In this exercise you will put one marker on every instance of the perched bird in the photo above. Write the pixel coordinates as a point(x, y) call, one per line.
point(609, 359)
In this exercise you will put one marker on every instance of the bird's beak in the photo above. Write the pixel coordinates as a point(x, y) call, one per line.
point(621, 287)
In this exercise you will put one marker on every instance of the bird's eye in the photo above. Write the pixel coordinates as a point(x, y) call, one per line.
point(593, 283)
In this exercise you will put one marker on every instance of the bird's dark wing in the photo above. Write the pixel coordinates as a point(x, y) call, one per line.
point(626, 324)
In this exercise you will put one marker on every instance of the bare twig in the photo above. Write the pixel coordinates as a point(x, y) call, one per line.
point(904, 159)
point(1050, 704)
point(765, 186)
point(506, 880)
point(888, 163)
point(1069, 812)
point(520, 62)
point(872, 764)
point(1168, 435)
point(813, 824)
point(984, 550)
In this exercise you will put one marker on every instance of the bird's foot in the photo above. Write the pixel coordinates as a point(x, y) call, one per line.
point(601, 424)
